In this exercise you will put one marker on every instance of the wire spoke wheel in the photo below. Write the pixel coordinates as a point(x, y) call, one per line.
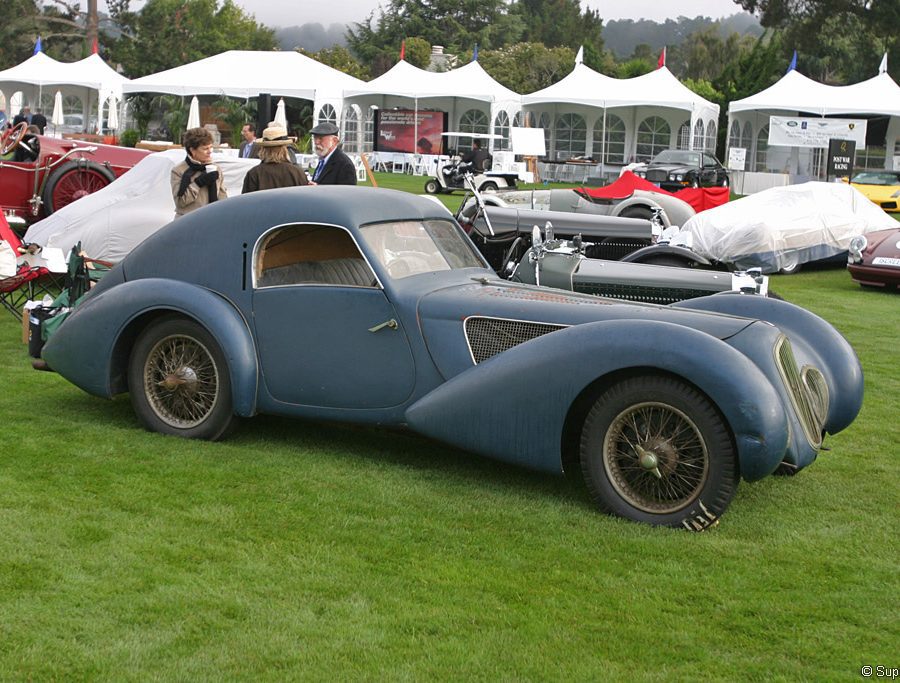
point(654, 449)
point(655, 457)
point(181, 381)
point(73, 180)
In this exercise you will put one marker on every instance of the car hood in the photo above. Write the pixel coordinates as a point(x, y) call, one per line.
point(443, 314)
point(884, 243)
point(671, 168)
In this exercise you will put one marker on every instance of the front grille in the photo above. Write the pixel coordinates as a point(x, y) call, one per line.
point(656, 175)
point(614, 249)
point(489, 336)
point(807, 402)
point(650, 295)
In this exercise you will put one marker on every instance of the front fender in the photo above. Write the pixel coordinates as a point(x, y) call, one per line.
point(91, 346)
point(814, 340)
point(641, 255)
point(514, 406)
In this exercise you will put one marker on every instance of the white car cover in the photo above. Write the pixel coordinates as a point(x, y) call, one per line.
point(111, 222)
point(783, 227)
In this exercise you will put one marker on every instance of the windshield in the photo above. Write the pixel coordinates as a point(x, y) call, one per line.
point(674, 156)
point(407, 248)
point(878, 178)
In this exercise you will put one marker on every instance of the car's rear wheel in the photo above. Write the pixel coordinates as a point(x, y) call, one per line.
point(655, 450)
point(489, 186)
point(790, 264)
point(72, 181)
point(179, 382)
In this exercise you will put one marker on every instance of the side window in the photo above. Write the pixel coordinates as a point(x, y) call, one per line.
point(310, 255)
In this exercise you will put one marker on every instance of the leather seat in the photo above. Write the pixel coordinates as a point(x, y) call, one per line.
point(353, 272)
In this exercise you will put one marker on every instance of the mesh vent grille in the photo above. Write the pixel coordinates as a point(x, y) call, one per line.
point(652, 295)
point(805, 401)
point(489, 336)
point(654, 175)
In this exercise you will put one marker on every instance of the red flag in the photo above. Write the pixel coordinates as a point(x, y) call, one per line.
point(402, 49)
point(94, 47)
point(661, 62)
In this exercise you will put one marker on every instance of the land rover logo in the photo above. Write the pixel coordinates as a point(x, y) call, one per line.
point(792, 124)
point(852, 126)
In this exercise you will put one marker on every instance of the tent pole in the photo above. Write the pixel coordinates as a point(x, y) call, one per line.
point(603, 143)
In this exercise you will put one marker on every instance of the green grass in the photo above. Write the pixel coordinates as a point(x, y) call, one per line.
point(304, 550)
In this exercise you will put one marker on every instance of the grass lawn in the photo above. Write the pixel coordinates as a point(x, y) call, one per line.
point(303, 550)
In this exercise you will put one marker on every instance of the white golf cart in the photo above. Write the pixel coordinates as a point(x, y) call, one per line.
point(451, 176)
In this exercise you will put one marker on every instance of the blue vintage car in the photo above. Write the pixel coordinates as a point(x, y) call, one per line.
point(372, 306)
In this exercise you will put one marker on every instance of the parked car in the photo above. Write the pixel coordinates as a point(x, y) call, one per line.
point(874, 259)
point(373, 306)
point(55, 173)
point(674, 169)
point(880, 187)
point(780, 229)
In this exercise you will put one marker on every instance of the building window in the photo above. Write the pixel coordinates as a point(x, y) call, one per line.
point(571, 136)
point(350, 137)
point(711, 131)
point(684, 135)
point(609, 144)
point(747, 137)
point(762, 148)
point(698, 135)
point(653, 136)
point(501, 127)
point(472, 121)
point(369, 135)
point(734, 135)
point(327, 114)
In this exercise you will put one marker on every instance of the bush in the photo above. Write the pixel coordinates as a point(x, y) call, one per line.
point(129, 138)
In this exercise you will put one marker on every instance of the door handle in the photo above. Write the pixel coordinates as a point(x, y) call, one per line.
point(391, 324)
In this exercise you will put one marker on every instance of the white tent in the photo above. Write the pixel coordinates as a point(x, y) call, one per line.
point(247, 73)
point(40, 73)
point(596, 99)
point(795, 94)
point(455, 92)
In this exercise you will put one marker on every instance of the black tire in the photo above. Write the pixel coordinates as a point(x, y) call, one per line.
point(489, 186)
point(644, 212)
point(73, 180)
point(432, 186)
point(686, 471)
point(179, 381)
point(724, 182)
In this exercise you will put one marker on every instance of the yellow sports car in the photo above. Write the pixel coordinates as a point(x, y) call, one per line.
point(882, 187)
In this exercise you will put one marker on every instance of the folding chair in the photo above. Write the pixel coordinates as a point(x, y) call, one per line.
point(27, 282)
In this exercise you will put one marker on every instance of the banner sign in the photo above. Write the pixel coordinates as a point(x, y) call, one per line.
point(812, 132)
point(840, 157)
point(405, 130)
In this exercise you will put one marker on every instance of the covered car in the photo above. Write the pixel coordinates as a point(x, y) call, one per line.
point(781, 228)
point(40, 175)
point(874, 259)
point(373, 306)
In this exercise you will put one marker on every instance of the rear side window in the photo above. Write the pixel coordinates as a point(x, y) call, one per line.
point(310, 255)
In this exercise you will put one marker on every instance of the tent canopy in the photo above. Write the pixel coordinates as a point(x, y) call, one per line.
point(405, 80)
point(43, 71)
point(658, 88)
point(245, 74)
point(796, 92)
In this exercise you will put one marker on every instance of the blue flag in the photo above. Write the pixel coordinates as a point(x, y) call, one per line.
point(793, 63)
point(37, 46)
point(475, 53)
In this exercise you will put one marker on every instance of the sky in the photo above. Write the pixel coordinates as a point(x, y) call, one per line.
point(276, 13)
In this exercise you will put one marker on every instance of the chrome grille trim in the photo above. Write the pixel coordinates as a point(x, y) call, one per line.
point(803, 400)
point(487, 337)
point(817, 388)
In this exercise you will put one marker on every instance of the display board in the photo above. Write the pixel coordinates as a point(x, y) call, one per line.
point(798, 131)
point(406, 130)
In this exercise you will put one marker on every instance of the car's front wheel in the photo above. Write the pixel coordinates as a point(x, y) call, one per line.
point(432, 187)
point(179, 382)
point(655, 450)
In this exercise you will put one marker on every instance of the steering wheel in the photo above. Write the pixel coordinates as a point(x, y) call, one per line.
point(12, 137)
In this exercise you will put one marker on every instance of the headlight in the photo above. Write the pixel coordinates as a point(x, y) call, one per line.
point(857, 246)
point(679, 177)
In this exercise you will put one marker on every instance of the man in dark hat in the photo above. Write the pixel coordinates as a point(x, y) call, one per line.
point(334, 167)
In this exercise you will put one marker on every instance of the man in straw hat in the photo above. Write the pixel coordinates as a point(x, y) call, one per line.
point(334, 167)
point(275, 168)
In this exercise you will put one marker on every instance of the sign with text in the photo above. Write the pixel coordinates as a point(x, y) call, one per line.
point(406, 130)
point(737, 158)
point(840, 157)
point(799, 131)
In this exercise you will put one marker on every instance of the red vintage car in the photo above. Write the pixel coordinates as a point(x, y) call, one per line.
point(39, 174)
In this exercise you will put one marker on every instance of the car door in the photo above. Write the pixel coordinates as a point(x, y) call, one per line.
point(709, 176)
point(327, 335)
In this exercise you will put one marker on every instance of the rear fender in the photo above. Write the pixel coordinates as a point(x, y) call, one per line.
point(92, 347)
point(514, 406)
point(815, 342)
point(683, 253)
